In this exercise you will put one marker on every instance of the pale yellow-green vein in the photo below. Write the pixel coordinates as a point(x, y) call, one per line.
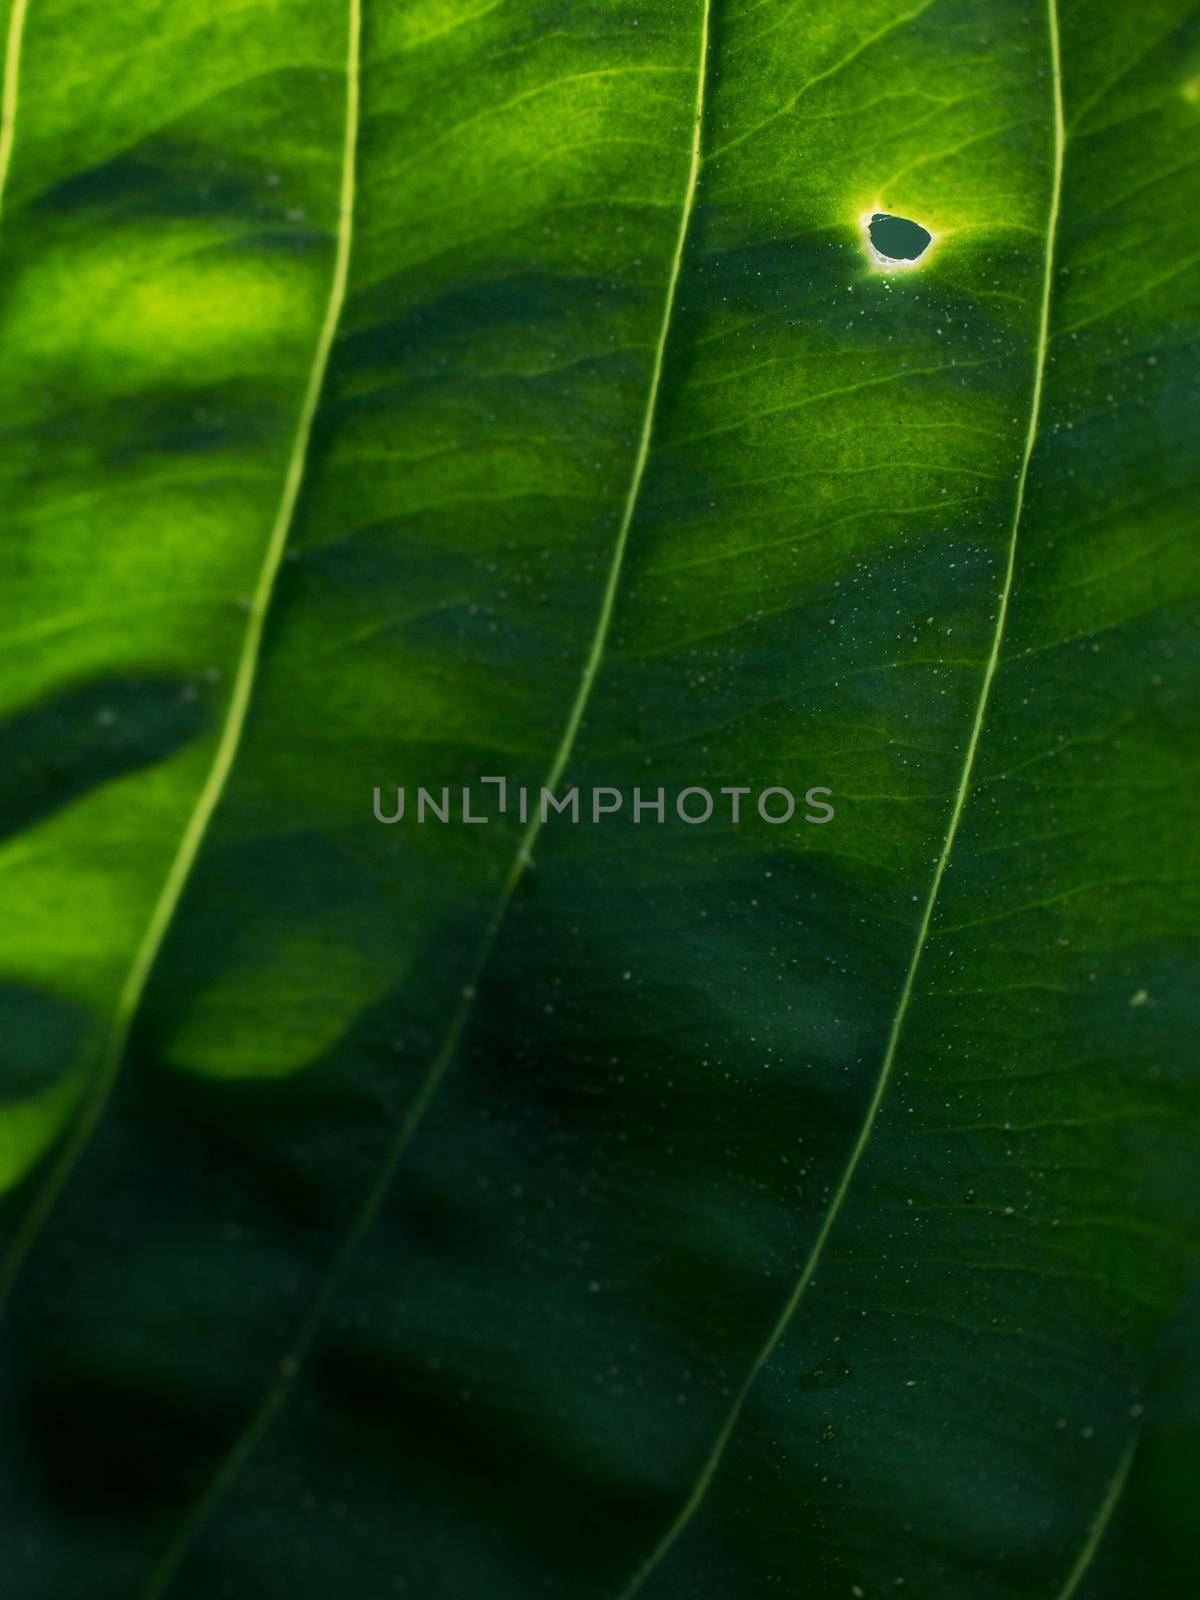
point(130, 996)
point(712, 1460)
point(13, 44)
point(1100, 1521)
point(229, 1468)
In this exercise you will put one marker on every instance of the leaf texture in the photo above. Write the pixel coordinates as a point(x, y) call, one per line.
point(411, 393)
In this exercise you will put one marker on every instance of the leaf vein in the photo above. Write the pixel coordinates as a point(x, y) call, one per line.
point(11, 90)
point(713, 1460)
point(1101, 1520)
point(146, 955)
point(243, 1447)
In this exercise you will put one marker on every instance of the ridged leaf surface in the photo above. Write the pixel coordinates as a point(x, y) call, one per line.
point(405, 392)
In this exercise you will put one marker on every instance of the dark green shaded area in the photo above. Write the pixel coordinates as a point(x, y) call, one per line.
point(53, 754)
point(39, 1035)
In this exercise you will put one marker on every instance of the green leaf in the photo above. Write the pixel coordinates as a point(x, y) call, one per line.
point(599, 395)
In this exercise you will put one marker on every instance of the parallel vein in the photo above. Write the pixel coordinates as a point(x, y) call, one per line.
point(713, 1460)
point(230, 1467)
point(11, 90)
point(1100, 1521)
point(130, 997)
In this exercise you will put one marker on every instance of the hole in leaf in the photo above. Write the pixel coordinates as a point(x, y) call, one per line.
point(898, 238)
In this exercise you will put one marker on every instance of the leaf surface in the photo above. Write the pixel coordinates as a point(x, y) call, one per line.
point(407, 394)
